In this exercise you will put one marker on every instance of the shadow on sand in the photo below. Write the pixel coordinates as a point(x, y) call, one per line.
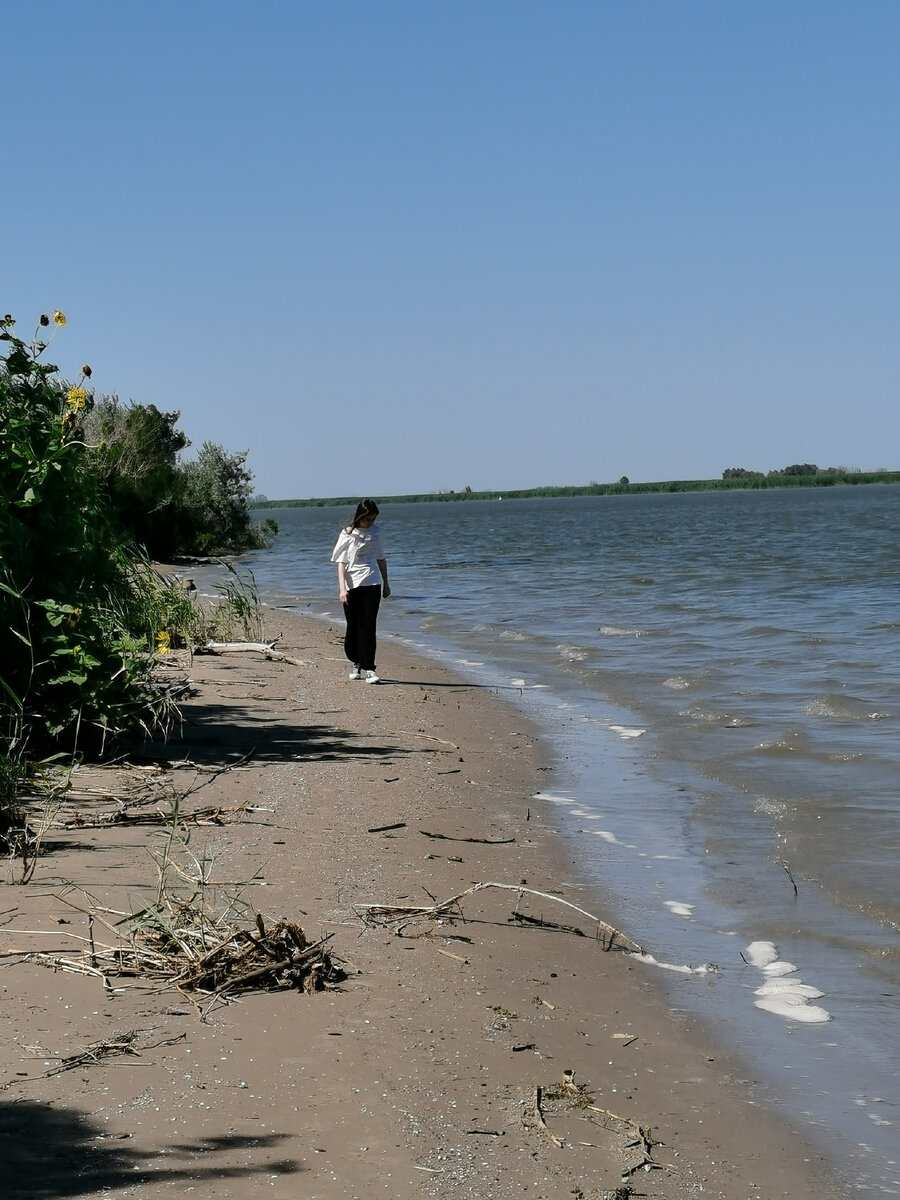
point(49, 1151)
point(213, 734)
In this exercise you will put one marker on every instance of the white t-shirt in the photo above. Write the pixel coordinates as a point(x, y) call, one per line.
point(359, 551)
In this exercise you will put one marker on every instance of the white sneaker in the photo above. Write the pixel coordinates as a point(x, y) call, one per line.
point(371, 677)
point(356, 673)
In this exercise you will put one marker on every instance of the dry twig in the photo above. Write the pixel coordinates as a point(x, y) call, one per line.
point(446, 837)
point(401, 915)
point(541, 1123)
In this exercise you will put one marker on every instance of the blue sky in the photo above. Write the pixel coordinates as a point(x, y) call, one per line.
point(410, 245)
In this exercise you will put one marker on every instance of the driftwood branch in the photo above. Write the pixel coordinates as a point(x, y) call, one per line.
point(265, 648)
point(394, 914)
point(235, 647)
point(446, 837)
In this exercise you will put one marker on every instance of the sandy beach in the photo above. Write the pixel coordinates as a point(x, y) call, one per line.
point(486, 1055)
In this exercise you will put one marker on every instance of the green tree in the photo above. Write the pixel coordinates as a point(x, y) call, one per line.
point(136, 451)
point(216, 490)
point(741, 473)
point(797, 469)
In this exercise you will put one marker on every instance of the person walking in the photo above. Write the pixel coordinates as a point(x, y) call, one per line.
point(362, 581)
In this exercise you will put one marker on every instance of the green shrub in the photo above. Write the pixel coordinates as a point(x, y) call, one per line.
point(76, 662)
point(170, 507)
point(215, 509)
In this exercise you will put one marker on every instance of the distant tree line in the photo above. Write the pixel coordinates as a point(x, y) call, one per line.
point(734, 478)
point(793, 470)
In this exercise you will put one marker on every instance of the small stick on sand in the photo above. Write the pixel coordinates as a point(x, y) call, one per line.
point(542, 1124)
point(446, 837)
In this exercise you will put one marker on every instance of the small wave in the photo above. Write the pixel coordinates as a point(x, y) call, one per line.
point(551, 799)
point(789, 742)
point(832, 707)
point(714, 716)
point(678, 683)
point(770, 808)
point(572, 653)
point(625, 731)
point(615, 631)
point(678, 909)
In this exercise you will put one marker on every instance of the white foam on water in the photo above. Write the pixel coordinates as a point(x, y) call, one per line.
point(465, 662)
point(553, 799)
point(678, 909)
point(758, 954)
point(789, 987)
point(775, 969)
point(407, 641)
point(682, 969)
point(788, 998)
point(607, 837)
point(794, 1008)
point(625, 732)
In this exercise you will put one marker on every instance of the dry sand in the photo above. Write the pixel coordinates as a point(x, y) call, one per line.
point(418, 1077)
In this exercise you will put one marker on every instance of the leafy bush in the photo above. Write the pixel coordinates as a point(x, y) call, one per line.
point(170, 507)
point(76, 655)
point(215, 510)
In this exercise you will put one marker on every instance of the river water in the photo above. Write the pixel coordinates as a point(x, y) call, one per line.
point(718, 677)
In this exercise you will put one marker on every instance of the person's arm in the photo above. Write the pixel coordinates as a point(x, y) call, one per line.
point(342, 584)
point(385, 586)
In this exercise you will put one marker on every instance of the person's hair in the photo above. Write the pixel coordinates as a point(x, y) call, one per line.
point(364, 510)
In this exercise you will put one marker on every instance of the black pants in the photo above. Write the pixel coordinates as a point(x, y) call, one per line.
point(361, 611)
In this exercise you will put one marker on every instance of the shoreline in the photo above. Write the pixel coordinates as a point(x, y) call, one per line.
point(419, 1076)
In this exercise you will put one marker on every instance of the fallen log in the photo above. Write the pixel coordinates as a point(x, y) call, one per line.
point(265, 648)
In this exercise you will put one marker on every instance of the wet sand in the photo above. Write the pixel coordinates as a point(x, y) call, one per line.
point(442, 1066)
